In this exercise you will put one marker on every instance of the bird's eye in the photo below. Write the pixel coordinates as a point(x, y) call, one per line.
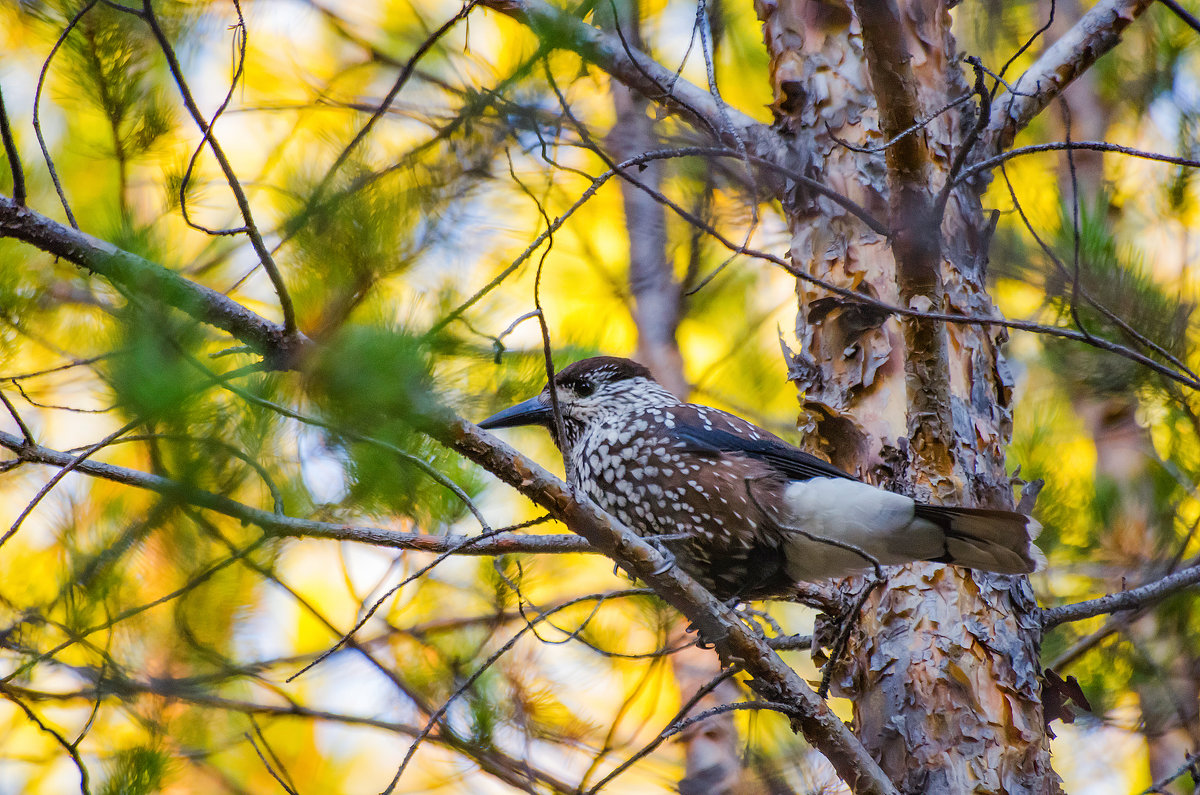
point(584, 388)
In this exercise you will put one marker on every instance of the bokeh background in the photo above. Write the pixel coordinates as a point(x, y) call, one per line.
point(151, 643)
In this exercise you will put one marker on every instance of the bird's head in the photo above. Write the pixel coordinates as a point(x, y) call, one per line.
point(588, 391)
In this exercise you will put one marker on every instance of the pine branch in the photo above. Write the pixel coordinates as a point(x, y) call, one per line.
point(280, 525)
point(643, 74)
point(139, 277)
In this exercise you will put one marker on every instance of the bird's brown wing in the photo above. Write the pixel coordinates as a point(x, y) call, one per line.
point(790, 462)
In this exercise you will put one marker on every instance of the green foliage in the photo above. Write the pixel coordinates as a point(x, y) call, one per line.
point(1127, 302)
point(375, 385)
point(152, 376)
point(137, 771)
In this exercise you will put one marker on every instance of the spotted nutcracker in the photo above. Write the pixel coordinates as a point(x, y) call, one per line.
point(744, 512)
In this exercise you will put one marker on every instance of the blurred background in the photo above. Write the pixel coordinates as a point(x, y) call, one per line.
point(149, 643)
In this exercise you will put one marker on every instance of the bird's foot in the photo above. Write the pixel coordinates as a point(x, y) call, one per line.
point(701, 643)
point(660, 546)
point(758, 620)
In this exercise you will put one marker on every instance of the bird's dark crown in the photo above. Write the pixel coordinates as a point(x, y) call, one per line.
point(587, 374)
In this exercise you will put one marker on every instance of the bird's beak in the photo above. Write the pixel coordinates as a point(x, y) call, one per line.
point(531, 412)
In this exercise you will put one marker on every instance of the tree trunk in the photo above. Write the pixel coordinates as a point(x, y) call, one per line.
point(943, 672)
point(657, 295)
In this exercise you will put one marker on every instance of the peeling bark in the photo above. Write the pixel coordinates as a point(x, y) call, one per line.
point(943, 671)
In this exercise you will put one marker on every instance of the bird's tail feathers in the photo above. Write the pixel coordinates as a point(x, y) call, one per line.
point(987, 539)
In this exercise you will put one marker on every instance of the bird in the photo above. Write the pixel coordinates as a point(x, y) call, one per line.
point(747, 514)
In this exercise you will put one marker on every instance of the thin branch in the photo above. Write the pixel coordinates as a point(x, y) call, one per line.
point(1124, 600)
point(721, 709)
point(276, 524)
point(14, 157)
point(966, 147)
point(560, 427)
point(1181, 12)
point(73, 463)
point(1085, 644)
point(1095, 146)
point(274, 765)
point(240, 41)
point(1191, 764)
point(1037, 34)
point(71, 750)
point(260, 248)
point(1096, 32)
point(920, 125)
point(17, 418)
point(37, 119)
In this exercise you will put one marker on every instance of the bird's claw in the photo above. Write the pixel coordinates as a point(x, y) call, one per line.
point(668, 558)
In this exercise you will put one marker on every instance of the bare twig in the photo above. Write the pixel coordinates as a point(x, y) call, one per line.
point(501, 544)
point(67, 468)
point(1181, 12)
point(251, 228)
point(1124, 600)
point(14, 157)
point(37, 120)
point(1094, 146)
point(239, 43)
point(273, 765)
point(966, 147)
point(723, 708)
point(923, 123)
point(560, 427)
point(1029, 42)
point(67, 746)
point(1191, 764)
point(17, 418)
